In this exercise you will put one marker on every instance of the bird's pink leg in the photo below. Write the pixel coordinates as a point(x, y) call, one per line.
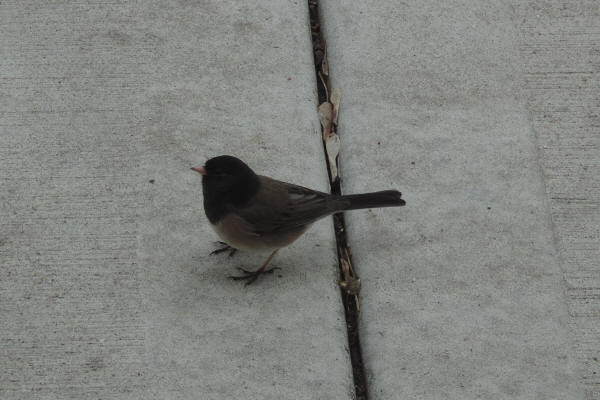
point(226, 247)
point(252, 275)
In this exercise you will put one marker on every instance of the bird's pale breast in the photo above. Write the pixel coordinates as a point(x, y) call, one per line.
point(239, 234)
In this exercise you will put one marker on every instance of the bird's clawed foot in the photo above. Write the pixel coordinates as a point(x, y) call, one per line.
point(251, 276)
point(225, 247)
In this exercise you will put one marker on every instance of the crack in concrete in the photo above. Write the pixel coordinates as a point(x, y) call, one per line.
point(347, 276)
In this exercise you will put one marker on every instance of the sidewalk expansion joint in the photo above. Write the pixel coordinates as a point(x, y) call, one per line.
point(349, 283)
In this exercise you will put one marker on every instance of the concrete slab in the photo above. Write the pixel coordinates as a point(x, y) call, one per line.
point(561, 65)
point(462, 293)
point(106, 288)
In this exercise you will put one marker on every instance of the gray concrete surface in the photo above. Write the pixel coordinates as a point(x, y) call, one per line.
point(105, 287)
point(106, 290)
point(462, 294)
point(561, 62)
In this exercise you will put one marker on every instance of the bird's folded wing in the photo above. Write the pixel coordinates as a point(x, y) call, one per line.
point(279, 207)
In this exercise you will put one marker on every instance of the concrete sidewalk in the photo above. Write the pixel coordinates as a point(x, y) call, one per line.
point(107, 290)
point(462, 295)
point(106, 287)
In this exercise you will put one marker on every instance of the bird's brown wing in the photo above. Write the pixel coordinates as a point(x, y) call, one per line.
point(280, 207)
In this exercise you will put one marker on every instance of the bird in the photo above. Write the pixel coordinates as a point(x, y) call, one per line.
point(256, 213)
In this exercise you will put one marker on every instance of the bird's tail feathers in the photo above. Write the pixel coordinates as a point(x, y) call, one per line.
point(386, 198)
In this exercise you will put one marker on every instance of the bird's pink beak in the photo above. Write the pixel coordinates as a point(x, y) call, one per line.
point(199, 170)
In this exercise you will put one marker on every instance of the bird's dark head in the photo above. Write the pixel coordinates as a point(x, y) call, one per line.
point(226, 181)
point(227, 166)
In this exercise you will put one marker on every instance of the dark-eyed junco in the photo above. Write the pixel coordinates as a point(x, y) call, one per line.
point(254, 212)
